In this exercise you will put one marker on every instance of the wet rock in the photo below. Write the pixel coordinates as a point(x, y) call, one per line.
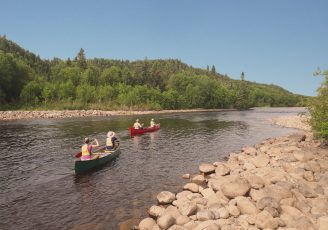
point(165, 197)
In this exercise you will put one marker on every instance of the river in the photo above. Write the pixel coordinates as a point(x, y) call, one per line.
point(39, 189)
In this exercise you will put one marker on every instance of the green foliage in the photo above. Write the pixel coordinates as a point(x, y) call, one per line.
point(319, 110)
point(118, 84)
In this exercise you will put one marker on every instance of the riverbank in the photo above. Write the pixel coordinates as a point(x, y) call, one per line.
point(280, 183)
point(56, 114)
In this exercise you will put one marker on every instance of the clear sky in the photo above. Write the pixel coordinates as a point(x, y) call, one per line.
point(272, 41)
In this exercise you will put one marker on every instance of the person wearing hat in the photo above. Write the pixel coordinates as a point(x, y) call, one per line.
point(111, 140)
point(137, 125)
point(87, 149)
point(152, 123)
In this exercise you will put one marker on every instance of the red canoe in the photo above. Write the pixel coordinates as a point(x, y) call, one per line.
point(134, 131)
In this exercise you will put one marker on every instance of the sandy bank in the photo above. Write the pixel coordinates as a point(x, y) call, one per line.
point(20, 115)
point(281, 183)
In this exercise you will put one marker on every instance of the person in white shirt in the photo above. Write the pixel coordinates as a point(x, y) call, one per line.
point(137, 125)
point(152, 123)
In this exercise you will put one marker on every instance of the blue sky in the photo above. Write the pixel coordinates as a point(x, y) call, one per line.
point(272, 41)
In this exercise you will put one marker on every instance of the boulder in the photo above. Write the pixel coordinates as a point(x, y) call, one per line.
point(222, 169)
point(165, 197)
point(233, 210)
point(165, 221)
point(207, 192)
point(181, 220)
point(146, 224)
point(205, 215)
point(156, 211)
point(323, 223)
point(198, 179)
point(261, 160)
point(188, 208)
point(191, 187)
point(238, 187)
point(184, 194)
point(245, 206)
point(206, 168)
point(186, 176)
point(267, 202)
point(265, 220)
point(255, 181)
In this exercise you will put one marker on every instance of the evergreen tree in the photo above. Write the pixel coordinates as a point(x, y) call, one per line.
point(213, 70)
point(81, 60)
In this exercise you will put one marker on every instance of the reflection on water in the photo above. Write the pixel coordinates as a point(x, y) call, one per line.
point(39, 190)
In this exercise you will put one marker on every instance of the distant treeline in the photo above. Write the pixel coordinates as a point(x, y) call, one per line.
point(27, 81)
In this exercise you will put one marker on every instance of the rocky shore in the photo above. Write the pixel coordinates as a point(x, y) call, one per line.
point(281, 183)
point(20, 115)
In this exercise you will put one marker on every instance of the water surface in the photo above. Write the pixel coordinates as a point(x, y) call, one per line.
point(39, 189)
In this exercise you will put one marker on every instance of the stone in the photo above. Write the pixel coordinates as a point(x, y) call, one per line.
point(191, 187)
point(206, 168)
point(198, 179)
point(233, 210)
point(205, 215)
point(307, 191)
point(245, 206)
point(188, 208)
point(274, 212)
point(257, 194)
point(312, 166)
point(255, 181)
point(265, 220)
point(238, 187)
point(249, 150)
point(323, 223)
point(156, 211)
point(183, 194)
point(176, 227)
point(192, 196)
point(308, 175)
point(222, 169)
point(207, 192)
point(206, 225)
point(165, 221)
point(186, 176)
point(146, 224)
point(261, 160)
point(181, 220)
point(267, 202)
point(277, 192)
point(165, 197)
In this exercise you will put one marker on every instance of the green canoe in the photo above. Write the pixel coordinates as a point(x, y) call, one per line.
point(104, 157)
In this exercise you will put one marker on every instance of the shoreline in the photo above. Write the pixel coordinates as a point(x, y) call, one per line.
point(59, 114)
point(280, 183)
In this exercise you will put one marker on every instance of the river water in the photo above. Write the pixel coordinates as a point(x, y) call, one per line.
point(39, 189)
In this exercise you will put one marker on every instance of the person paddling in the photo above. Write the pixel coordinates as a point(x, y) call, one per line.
point(111, 140)
point(152, 123)
point(137, 125)
point(87, 149)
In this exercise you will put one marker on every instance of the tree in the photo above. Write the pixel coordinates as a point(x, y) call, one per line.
point(319, 109)
point(213, 70)
point(81, 60)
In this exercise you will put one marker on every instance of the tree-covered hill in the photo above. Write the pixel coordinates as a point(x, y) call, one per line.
point(29, 81)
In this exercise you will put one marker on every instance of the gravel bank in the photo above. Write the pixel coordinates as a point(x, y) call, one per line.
point(20, 115)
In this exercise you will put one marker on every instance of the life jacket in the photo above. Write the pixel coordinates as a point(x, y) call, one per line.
point(85, 150)
point(152, 123)
point(109, 142)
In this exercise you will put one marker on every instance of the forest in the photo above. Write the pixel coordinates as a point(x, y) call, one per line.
point(29, 82)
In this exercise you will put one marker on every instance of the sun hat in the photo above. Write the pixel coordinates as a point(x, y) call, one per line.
point(110, 134)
